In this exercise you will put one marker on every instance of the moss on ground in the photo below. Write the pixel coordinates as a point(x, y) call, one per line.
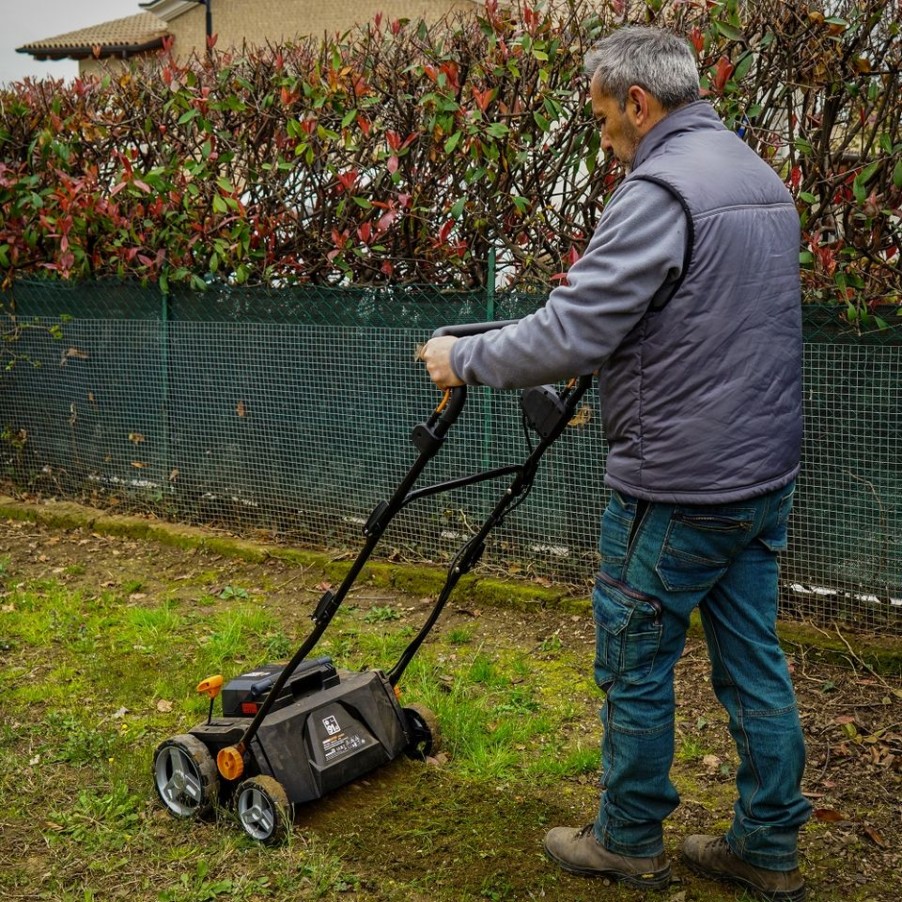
point(882, 655)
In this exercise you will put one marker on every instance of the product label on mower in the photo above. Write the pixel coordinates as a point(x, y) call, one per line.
point(338, 742)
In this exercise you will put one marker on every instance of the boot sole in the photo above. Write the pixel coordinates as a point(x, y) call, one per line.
point(795, 895)
point(652, 880)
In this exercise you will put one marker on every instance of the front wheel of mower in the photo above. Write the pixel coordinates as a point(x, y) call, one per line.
point(423, 729)
point(263, 809)
point(185, 776)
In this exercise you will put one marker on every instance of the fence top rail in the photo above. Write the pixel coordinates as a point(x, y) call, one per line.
point(377, 306)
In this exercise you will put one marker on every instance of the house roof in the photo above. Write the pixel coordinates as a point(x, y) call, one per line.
point(120, 37)
point(168, 9)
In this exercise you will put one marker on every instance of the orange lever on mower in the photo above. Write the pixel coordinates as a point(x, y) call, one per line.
point(210, 686)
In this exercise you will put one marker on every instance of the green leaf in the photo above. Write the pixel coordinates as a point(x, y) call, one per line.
point(867, 173)
point(728, 31)
point(458, 208)
point(187, 117)
point(743, 66)
point(453, 141)
point(897, 175)
point(808, 197)
point(498, 130)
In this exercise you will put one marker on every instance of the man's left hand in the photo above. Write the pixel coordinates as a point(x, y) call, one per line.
point(436, 354)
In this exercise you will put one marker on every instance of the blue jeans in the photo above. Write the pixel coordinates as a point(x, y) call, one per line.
point(658, 563)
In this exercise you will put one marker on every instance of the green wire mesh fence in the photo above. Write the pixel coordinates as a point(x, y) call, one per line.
point(287, 414)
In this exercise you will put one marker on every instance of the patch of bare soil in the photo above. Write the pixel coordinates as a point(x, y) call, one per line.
point(409, 820)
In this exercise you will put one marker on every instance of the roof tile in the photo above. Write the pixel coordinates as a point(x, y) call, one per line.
point(135, 31)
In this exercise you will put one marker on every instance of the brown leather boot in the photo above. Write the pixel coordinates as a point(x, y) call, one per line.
point(579, 852)
point(711, 856)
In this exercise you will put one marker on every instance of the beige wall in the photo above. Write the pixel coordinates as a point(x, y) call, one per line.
point(236, 22)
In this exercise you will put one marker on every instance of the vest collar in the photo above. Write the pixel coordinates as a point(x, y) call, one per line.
point(692, 117)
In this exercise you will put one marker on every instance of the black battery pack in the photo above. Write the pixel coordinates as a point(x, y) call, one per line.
point(243, 695)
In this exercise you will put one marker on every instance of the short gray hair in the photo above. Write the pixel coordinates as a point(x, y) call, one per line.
point(657, 60)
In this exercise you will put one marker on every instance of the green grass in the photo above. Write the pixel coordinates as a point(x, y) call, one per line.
point(93, 681)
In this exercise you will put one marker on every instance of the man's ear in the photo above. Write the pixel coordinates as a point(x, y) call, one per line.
point(643, 109)
point(637, 105)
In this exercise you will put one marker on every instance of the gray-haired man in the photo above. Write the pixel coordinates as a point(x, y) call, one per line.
point(687, 303)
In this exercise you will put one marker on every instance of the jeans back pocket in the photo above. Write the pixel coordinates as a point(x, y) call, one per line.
point(700, 544)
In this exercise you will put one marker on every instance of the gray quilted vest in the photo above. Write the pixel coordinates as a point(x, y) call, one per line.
point(702, 402)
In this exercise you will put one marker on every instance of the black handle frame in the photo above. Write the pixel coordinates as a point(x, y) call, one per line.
point(428, 437)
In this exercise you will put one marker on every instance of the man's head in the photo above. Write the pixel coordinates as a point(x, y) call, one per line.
point(638, 75)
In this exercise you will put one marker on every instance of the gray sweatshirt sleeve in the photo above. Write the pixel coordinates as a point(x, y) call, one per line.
point(636, 252)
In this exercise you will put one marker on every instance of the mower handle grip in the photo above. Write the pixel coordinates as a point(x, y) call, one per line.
point(465, 329)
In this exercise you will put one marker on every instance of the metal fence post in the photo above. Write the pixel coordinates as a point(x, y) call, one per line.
point(487, 430)
point(165, 316)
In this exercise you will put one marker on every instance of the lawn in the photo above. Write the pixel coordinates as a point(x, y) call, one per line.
point(103, 639)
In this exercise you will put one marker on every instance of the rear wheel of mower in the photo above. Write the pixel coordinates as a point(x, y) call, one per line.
point(263, 809)
point(423, 728)
point(185, 776)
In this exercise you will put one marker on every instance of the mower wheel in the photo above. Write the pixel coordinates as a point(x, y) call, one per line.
point(423, 729)
point(263, 809)
point(185, 776)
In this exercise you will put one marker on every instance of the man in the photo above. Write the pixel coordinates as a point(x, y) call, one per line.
point(687, 302)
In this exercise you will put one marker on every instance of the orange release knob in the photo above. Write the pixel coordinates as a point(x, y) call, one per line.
point(230, 762)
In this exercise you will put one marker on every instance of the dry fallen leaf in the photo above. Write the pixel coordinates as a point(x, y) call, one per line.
point(829, 815)
point(874, 836)
point(163, 706)
point(74, 354)
point(581, 417)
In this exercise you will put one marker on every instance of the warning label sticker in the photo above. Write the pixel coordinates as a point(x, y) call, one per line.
point(341, 744)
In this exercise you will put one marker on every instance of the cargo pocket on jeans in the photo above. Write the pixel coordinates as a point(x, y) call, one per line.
point(628, 631)
point(699, 546)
